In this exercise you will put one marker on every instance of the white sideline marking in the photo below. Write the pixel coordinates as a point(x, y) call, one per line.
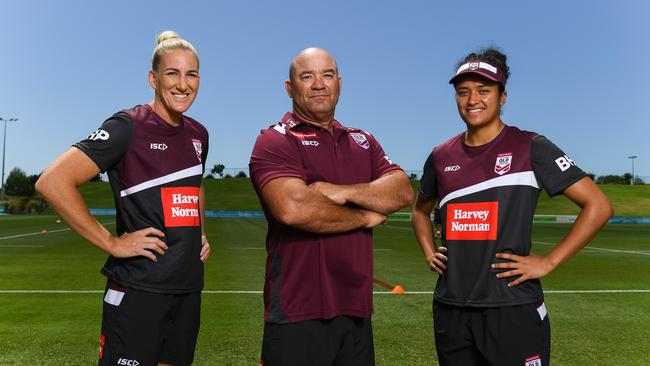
point(34, 233)
point(20, 246)
point(396, 227)
point(602, 249)
point(639, 252)
point(39, 233)
point(257, 292)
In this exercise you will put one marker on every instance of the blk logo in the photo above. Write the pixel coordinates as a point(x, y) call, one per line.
point(564, 162)
point(99, 135)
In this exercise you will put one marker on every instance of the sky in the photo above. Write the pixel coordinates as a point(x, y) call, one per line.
point(580, 71)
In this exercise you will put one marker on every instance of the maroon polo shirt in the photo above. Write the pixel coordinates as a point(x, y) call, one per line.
point(310, 275)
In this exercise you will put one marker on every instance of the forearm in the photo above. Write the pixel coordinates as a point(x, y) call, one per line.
point(384, 195)
point(318, 214)
point(423, 232)
point(291, 202)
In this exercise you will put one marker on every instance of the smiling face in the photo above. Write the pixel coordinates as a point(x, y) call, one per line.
point(314, 86)
point(479, 102)
point(176, 83)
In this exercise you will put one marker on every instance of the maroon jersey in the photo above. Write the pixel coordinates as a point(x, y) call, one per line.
point(310, 275)
point(155, 171)
point(487, 197)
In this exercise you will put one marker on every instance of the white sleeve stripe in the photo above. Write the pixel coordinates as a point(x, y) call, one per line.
point(515, 179)
point(189, 172)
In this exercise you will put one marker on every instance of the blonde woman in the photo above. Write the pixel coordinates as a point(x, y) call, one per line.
point(154, 156)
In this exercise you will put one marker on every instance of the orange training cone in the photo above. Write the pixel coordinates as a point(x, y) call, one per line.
point(398, 290)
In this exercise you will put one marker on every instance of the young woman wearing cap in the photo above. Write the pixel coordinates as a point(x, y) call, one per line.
point(488, 306)
point(155, 158)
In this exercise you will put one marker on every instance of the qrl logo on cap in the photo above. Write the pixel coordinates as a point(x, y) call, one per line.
point(473, 65)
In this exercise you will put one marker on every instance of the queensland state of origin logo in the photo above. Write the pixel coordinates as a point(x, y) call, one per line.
point(360, 139)
point(198, 147)
point(503, 163)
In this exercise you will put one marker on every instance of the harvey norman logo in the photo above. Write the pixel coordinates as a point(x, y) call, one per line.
point(472, 221)
point(180, 206)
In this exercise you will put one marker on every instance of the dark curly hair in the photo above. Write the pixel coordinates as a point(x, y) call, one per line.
point(492, 55)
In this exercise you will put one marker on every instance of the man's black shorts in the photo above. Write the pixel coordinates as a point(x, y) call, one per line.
point(141, 328)
point(504, 336)
point(340, 341)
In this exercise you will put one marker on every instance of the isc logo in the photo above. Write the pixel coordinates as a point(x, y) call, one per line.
point(452, 168)
point(158, 147)
point(564, 162)
point(310, 143)
point(124, 361)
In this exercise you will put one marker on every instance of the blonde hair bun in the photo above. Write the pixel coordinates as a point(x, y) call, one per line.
point(162, 37)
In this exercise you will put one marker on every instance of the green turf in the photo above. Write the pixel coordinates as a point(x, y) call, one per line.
point(63, 329)
point(627, 201)
point(238, 194)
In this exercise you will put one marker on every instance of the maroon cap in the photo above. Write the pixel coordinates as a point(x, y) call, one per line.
point(483, 68)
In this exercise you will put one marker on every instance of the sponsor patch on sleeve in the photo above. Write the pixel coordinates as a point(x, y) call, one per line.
point(181, 206)
point(472, 221)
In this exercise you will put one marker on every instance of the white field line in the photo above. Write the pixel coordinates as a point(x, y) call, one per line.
point(589, 247)
point(20, 246)
point(38, 233)
point(257, 292)
point(34, 233)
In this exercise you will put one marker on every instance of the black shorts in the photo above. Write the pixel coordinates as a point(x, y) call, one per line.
point(504, 336)
point(141, 328)
point(340, 341)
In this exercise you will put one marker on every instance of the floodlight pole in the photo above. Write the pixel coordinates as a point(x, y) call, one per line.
point(632, 158)
point(4, 145)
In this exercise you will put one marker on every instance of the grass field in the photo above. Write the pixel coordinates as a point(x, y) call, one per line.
point(595, 319)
